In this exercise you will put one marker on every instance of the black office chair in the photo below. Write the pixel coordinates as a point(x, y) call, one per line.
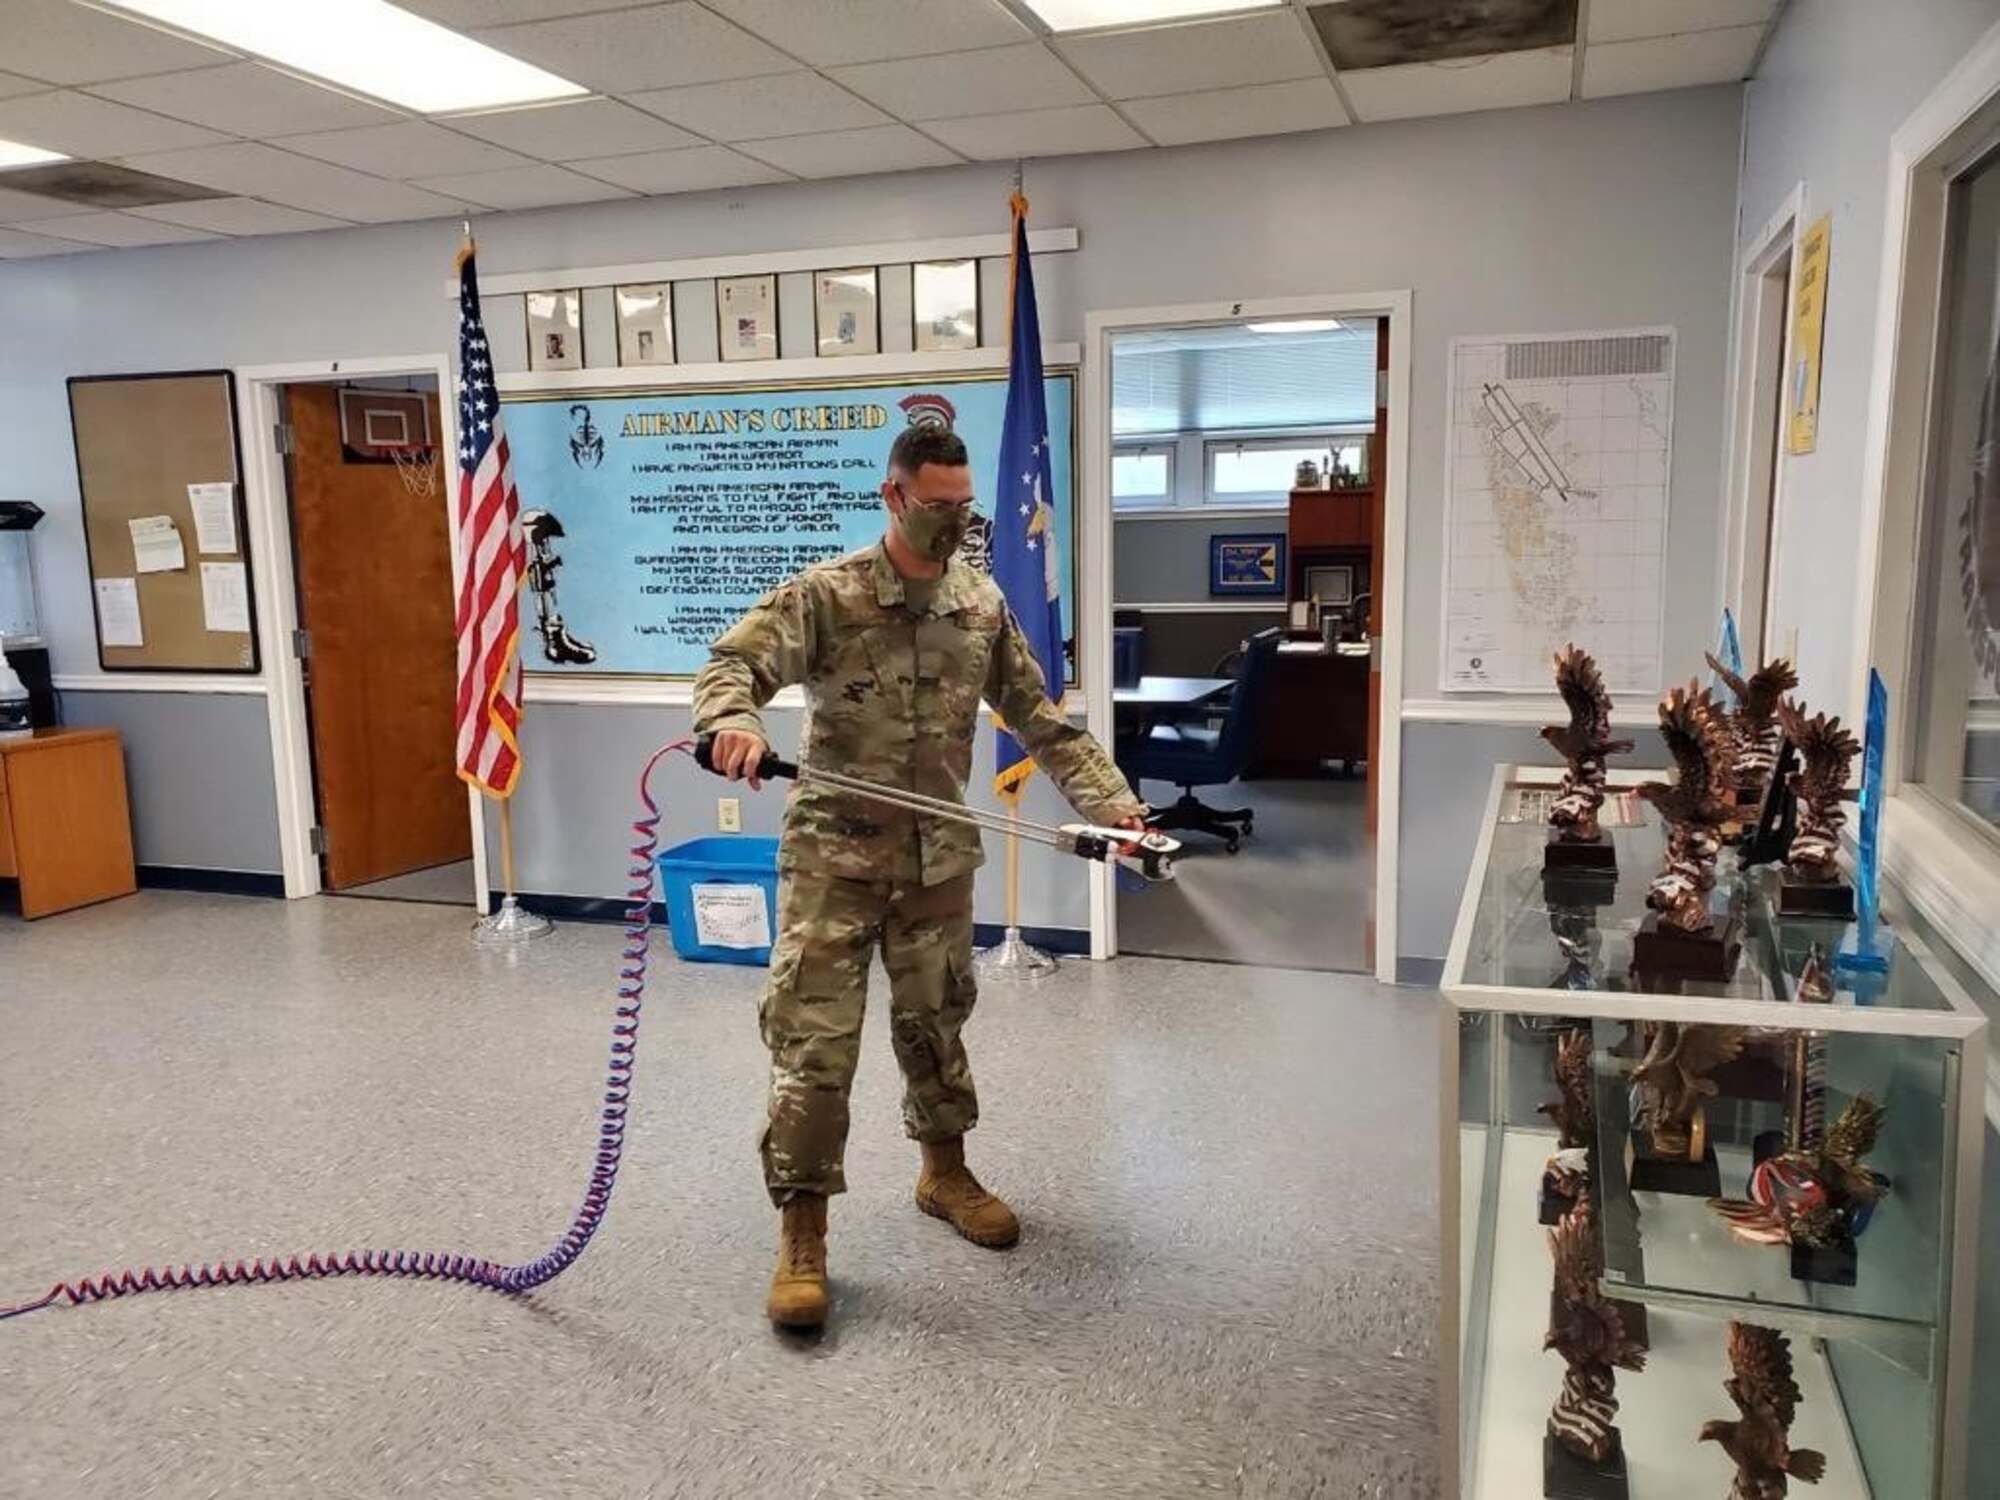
point(1189, 754)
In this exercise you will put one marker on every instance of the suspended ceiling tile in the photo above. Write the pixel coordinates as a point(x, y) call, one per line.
point(574, 129)
point(1230, 114)
point(254, 170)
point(64, 43)
point(1670, 62)
point(1500, 82)
point(653, 46)
point(1363, 34)
point(994, 81)
point(853, 153)
point(1185, 59)
point(1040, 132)
point(407, 149)
point(1629, 20)
point(464, 15)
point(691, 171)
point(240, 216)
point(82, 126)
point(14, 245)
point(536, 185)
point(14, 207)
point(10, 85)
point(246, 99)
point(857, 31)
point(761, 108)
point(113, 230)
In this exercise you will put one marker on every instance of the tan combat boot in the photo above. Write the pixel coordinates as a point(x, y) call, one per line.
point(798, 1286)
point(947, 1190)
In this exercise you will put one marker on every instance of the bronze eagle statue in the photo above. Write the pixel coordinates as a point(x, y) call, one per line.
point(1583, 743)
point(1767, 1399)
point(1694, 806)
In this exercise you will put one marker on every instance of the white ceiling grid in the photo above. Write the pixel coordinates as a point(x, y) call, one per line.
point(693, 95)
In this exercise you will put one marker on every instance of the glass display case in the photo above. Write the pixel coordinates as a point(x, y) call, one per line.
point(1776, 1162)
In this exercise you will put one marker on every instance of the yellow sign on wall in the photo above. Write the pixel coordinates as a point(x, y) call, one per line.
point(1808, 334)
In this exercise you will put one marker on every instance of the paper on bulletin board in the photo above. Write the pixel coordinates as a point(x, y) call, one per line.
point(731, 916)
point(156, 545)
point(1808, 337)
point(214, 507)
point(225, 597)
point(118, 612)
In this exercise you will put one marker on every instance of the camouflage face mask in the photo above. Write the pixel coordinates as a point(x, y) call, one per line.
point(934, 531)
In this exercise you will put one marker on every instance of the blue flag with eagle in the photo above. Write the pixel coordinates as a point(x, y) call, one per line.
point(1024, 518)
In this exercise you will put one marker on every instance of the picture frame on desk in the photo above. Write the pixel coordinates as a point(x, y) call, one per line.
point(1331, 584)
point(1248, 565)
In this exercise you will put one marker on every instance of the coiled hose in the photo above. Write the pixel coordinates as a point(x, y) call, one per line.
point(443, 1266)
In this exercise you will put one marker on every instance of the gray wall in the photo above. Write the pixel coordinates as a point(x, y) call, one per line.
point(1166, 562)
point(1838, 79)
point(1607, 214)
point(198, 776)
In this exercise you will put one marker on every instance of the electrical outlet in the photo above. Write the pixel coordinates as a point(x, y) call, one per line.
point(729, 814)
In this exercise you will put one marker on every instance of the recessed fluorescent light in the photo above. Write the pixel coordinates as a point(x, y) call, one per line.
point(368, 46)
point(14, 154)
point(1298, 325)
point(1083, 15)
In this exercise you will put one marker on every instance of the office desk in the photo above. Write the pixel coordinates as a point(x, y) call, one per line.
point(65, 829)
point(1315, 711)
point(1156, 693)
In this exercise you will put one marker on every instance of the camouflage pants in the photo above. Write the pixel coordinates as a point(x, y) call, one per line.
point(828, 932)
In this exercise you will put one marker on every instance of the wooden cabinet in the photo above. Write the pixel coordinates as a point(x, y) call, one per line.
point(1332, 518)
point(1315, 711)
point(65, 828)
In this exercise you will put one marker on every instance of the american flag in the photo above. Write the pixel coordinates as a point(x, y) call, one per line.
point(492, 556)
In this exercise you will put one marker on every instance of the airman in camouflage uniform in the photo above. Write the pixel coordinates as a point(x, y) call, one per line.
point(895, 646)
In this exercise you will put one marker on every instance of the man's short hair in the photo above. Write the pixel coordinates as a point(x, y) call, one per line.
point(916, 446)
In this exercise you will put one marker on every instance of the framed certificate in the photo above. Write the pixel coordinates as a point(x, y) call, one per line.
point(555, 330)
point(746, 310)
point(645, 324)
point(847, 311)
point(945, 305)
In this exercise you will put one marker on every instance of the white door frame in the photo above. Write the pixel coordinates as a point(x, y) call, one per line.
point(268, 503)
point(1755, 447)
point(1094, 531)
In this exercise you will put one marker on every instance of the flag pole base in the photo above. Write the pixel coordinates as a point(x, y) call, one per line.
point(509, 927)
point(1013, 958)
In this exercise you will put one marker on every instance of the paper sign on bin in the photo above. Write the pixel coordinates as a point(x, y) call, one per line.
point(731, 916)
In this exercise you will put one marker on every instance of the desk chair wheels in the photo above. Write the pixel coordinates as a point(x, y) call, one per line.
point(1231, 825)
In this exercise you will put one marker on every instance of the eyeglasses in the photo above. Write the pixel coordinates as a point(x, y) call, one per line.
point(963, 507)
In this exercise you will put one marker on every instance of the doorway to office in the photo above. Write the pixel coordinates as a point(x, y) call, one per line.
point(365, 476)
point(1763, 393)
point(1246, 456)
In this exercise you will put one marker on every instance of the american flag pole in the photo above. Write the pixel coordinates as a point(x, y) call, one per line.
point(492, 567)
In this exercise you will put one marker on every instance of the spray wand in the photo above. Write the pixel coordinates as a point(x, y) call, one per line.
point(1149, 854)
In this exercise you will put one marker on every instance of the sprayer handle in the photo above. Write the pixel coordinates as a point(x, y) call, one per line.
point(769, 768)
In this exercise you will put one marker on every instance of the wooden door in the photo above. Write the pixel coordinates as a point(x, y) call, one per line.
point(375, 598)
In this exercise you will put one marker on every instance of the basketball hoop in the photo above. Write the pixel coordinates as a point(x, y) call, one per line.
point(416, 464)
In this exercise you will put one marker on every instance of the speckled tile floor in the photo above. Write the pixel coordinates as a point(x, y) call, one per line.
point(1225, 1288)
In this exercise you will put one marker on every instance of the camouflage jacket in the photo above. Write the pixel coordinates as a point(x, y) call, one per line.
point(892, 696)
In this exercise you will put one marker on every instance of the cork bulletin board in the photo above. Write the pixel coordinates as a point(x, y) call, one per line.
point(161, 479)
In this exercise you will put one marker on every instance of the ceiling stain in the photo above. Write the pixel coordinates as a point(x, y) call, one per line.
point(1385, 33)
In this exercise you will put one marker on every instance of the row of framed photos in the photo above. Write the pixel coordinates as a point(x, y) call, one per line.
point(847, 315)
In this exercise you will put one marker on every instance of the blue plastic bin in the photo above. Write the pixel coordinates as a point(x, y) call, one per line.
point(731, 860)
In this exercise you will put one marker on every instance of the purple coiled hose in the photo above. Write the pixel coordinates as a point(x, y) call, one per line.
point(434, 1265)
